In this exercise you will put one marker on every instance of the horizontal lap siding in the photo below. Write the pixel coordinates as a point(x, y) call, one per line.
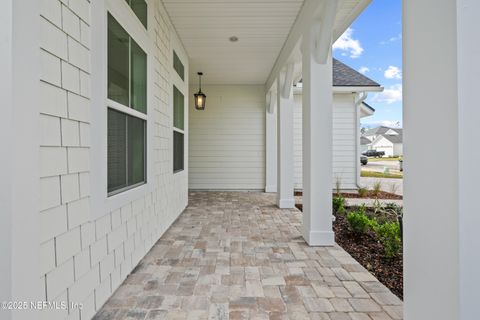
point(344, 141)
point(227, 139)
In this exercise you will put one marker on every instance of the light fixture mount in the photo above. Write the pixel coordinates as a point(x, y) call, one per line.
point(199, 97)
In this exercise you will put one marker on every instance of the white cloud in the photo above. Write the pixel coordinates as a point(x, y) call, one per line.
point(390, 95)
point(393, 73)
point(392, 39)
point(348, 45)
point(363, 70)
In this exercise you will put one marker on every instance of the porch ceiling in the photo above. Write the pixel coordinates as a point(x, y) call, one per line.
point(262, 27)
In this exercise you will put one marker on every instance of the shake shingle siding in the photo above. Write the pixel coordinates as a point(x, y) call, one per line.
point(85, 256)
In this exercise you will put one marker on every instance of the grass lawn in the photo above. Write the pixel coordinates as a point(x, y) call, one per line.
point(375, 174)
point(383, 159)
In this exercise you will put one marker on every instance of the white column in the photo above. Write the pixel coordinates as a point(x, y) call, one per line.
point(285, 197)
point(19, 169)
point(317, 146)
point(441, 116)
point(271, 149)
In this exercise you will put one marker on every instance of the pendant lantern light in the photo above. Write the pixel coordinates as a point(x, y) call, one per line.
point(200, 97)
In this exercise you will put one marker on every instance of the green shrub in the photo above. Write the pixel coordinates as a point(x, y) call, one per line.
point(359, 221)
point(338, 204)
point(362, 192)
point(389, 236)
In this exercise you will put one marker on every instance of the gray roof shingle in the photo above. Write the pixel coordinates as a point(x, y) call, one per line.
point(364, 141)
point(394, 138)
point(382, 130)
point(344, 76)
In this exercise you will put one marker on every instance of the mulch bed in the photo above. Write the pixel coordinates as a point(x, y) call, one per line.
point(369, 195)
point(372, 195)
point(369, 253)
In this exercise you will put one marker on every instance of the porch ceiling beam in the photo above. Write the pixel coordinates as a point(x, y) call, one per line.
point(288, 81)
point(309, 13)
point(323, 38)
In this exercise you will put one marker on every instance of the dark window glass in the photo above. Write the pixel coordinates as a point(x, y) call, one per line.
point(140, 9)
point(178, 66)
point(127, 68)
point(136, 150)
point(126, 151)
point(117, 150)
point(178, 109)
point(178, 154)
point(139, 78)
point(118, 66)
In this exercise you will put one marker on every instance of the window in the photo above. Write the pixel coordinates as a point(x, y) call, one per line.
point(127, 108)
point(127, 68)
point(126, 151)
point(178, 66)
point(139, 7)
point(178, 130)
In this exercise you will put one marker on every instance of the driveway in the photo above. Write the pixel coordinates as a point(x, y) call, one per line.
point(388, 185)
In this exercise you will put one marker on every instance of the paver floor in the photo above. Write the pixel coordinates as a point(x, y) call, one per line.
point(234, 255)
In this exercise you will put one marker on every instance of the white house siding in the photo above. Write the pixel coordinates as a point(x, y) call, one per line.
point(384, 145)
point(398, 149)
point(344, 141)
point(84, 256)
point(227, 139)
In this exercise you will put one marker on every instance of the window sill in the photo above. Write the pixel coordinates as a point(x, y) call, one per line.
point(125, 189)
point(117, 199)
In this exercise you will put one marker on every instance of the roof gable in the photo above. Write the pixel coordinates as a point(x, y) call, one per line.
point(382, 130)
point(391, 132)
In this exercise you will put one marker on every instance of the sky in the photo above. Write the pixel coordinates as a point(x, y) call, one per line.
point(373, 46)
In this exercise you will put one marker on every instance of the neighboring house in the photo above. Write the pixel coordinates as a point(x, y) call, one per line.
point(373, 133)
point(392, 145)
point(389, 140)
point(349, 88)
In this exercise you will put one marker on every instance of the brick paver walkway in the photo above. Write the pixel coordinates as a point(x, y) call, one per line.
point(234, 255)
